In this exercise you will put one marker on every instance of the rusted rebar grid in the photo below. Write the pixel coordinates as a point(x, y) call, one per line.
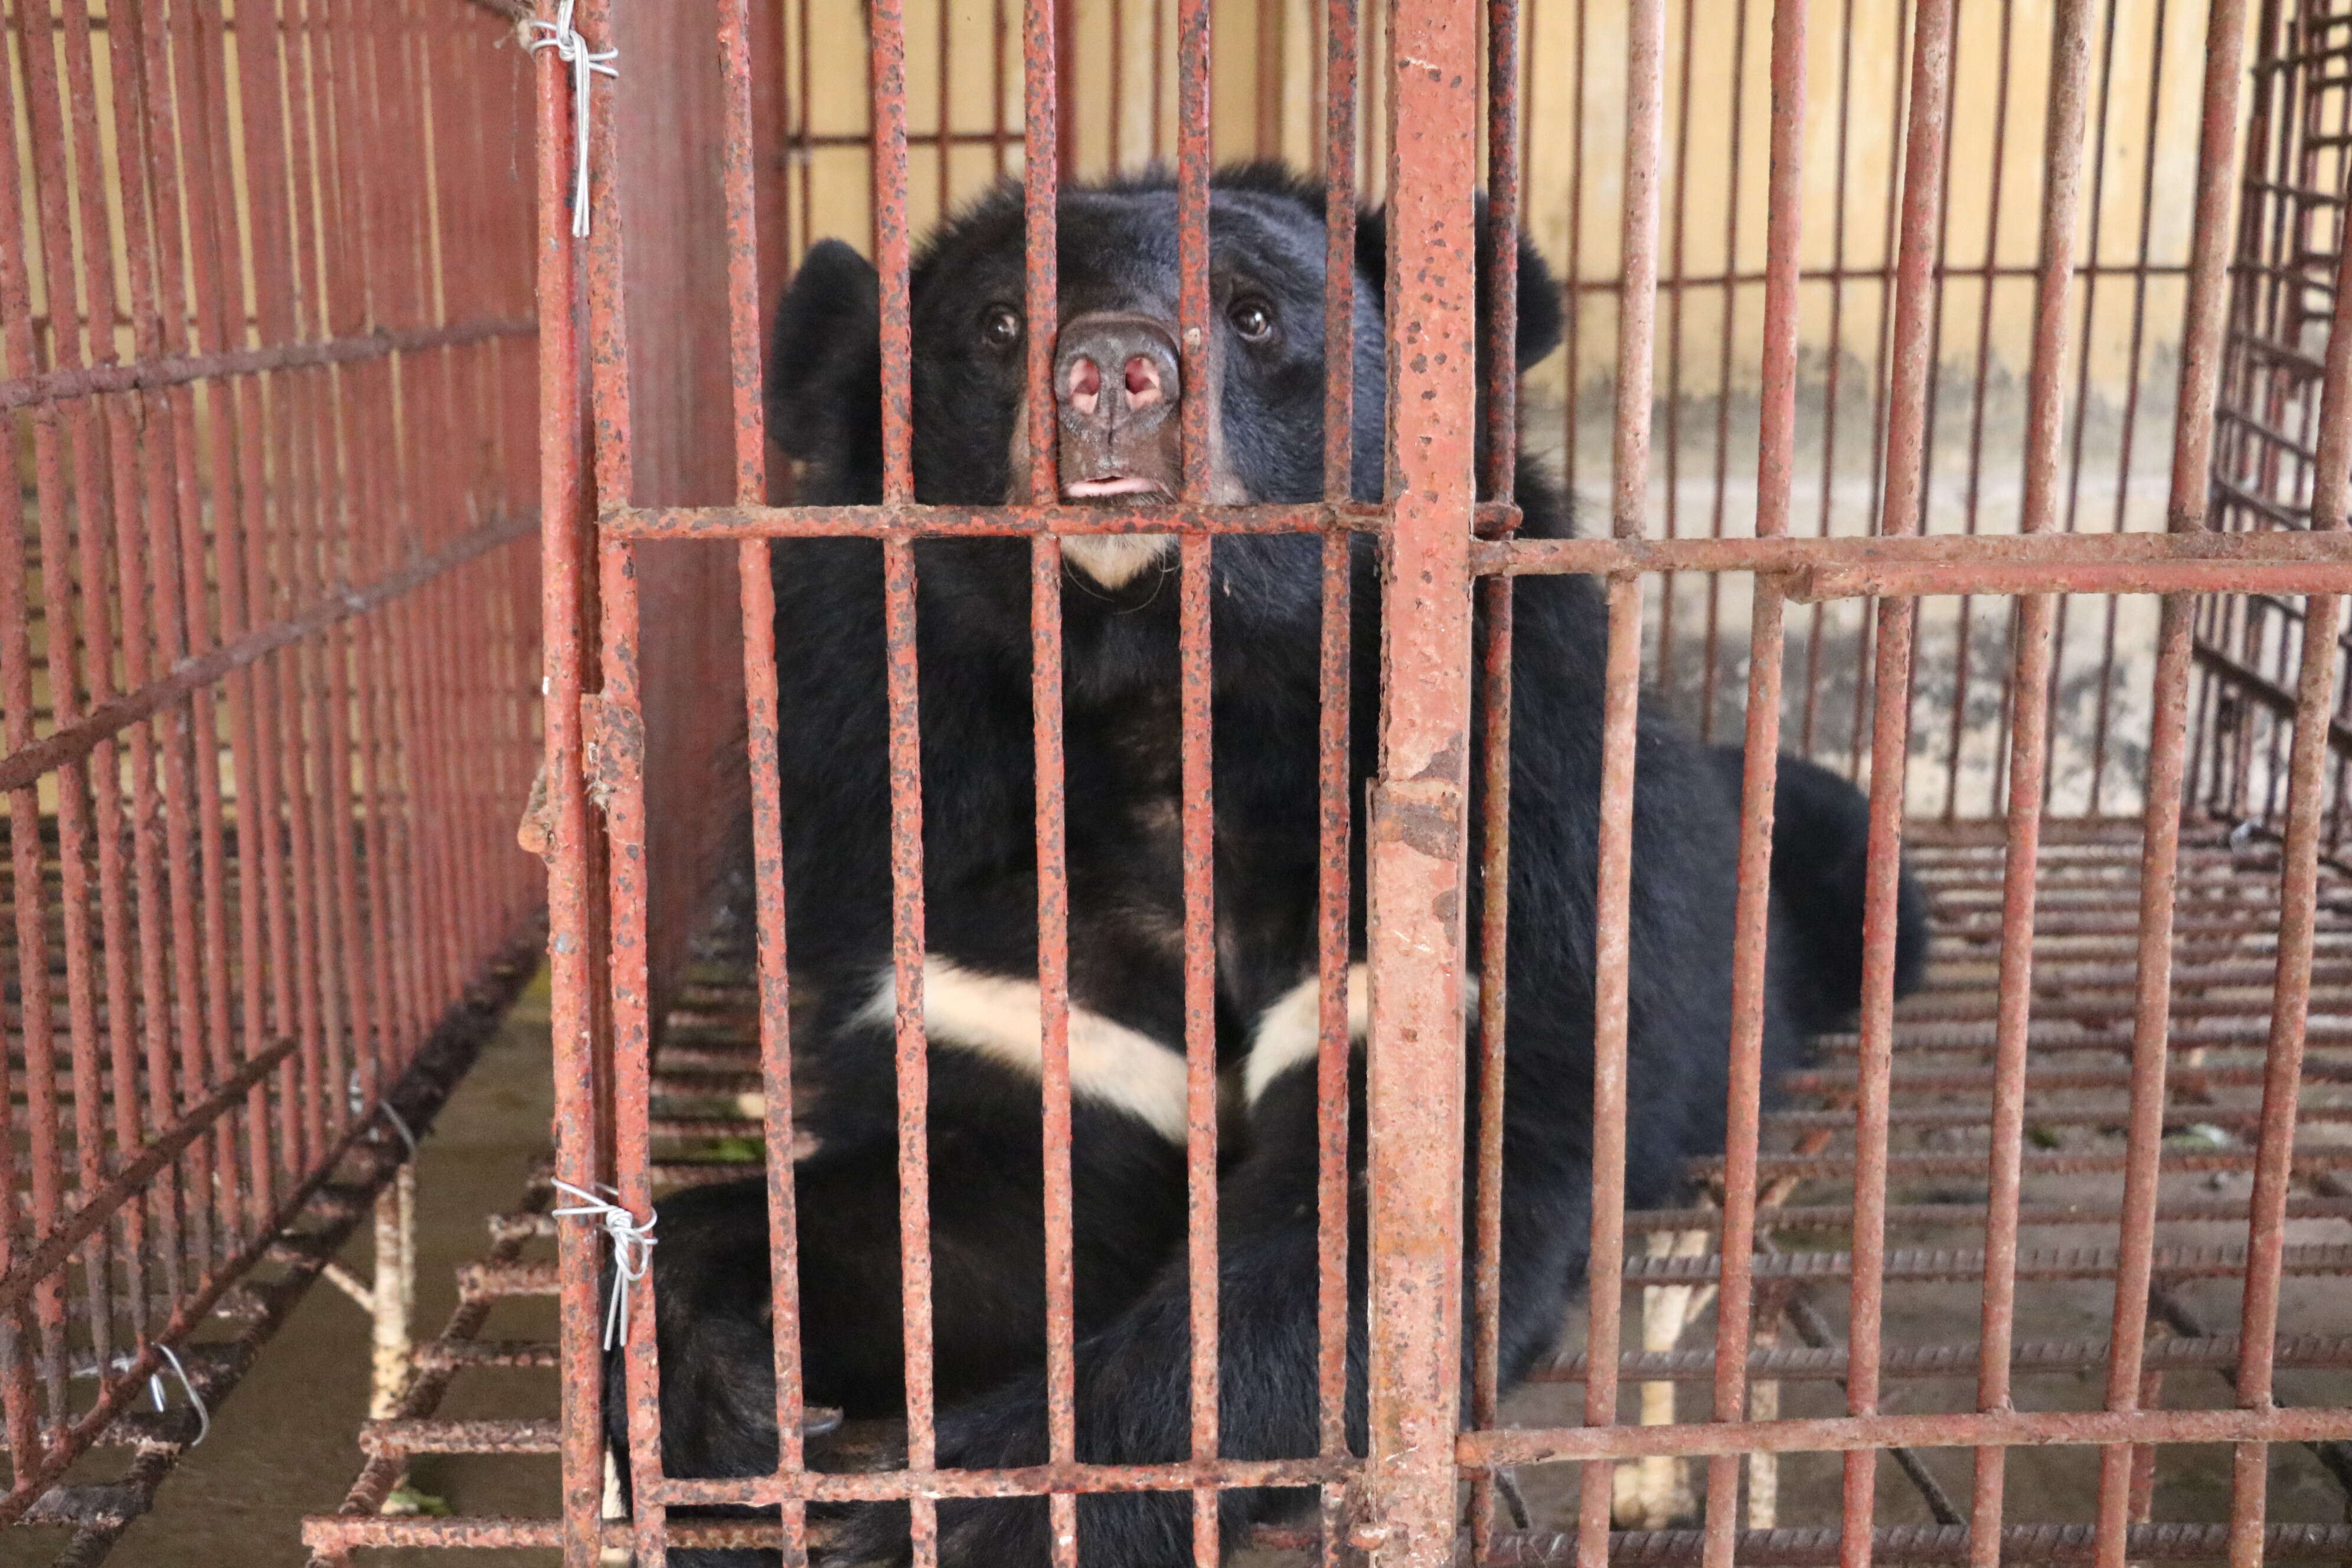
point(709, 1115)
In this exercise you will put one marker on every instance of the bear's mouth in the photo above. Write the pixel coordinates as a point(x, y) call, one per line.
point(1112, 487)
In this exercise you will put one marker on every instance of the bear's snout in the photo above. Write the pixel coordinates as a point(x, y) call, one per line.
point(1116, 379)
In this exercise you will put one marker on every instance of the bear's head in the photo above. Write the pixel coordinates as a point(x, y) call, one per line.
point(1118, 370)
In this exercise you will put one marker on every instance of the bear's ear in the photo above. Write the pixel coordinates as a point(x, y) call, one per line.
point(1540, 321)
point(824, 378)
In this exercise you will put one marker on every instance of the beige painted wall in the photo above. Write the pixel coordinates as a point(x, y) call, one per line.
point(1268, 62)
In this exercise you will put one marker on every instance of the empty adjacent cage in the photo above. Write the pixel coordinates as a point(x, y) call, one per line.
point(267, 629)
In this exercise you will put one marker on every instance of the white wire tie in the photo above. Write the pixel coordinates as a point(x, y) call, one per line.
point(399, 1125)
point(587, 65)
point(155, 1389)
point(632, 1249)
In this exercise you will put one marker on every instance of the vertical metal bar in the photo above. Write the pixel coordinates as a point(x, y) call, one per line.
point(323, 398)
point(1881, 381)
point(763, 743)
point(292, 900)
point(2192, 450)
point(888, 58)
point(584, 1077)
point(1336, 810)
point(1198, 817)
point(1710, 673)
point(1636, 369)
point(621, 723)
point(1042, 160)
point(1339, 248)
point(1611, 958)
point(1065, 95)
point(1501, 437)
point(1833, 357)
point(2298, 899)
point(1193, 155)
point(1913, 369)
point(102, 520)
point(1574, 273)
point(913, 1070)
point(2129, 428)
point(1267, 61)
point(1053, 992)
point(1964, 645)
point(16, 1411)
point(1159, 75)
point(1117, 86)
point(943, 109)
point(1775, 474)
point(1199, 830)
point(1332, 1043)
point(2029, 748)
point(316, 1006)
point(1503, 203)
point(998, 134)
point(1673, 282)
point(204, 583)
point(173, 477)
point(1418, 849)
point(1040, 180)
point(146, 621)
point(54, 429)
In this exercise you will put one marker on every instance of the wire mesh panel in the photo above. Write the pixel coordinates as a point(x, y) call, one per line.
point(2290, 238)
point(266, 629)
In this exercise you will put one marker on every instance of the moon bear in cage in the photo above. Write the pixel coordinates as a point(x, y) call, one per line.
point(1120, 390)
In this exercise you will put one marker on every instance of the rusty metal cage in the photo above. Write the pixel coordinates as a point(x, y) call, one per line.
point(267, 628)
point(2044, 300)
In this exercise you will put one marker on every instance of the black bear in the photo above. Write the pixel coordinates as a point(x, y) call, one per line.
point(1118, 386)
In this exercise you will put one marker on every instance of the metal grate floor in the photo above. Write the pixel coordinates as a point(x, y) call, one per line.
point(706, 1127)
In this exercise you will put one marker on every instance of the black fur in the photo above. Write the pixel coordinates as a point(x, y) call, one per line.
point(1118, 250)
point(1820, 859)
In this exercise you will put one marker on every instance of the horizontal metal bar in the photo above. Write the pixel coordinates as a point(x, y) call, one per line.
point(397, 1438)
point(1930, 1543)
point(1026, 1480)
point(73, 742)
point(1848, 566)
point(1811, 1363)
point(1917, 1167)
point(91, 380)
point(1793, 1548)
point(1003, 521)
point(1834, 1215)
point(1954, 1429)
point(132, 1181)
point(1916, 1264)
point(1672, 283)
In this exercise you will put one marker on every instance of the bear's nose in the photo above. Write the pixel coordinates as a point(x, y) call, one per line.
point(1114, 369)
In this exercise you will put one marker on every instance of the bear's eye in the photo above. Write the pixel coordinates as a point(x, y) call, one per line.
point(1252, 319)
point(1000, 326)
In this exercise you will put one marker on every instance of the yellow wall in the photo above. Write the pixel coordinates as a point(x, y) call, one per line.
point(1717, 103)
